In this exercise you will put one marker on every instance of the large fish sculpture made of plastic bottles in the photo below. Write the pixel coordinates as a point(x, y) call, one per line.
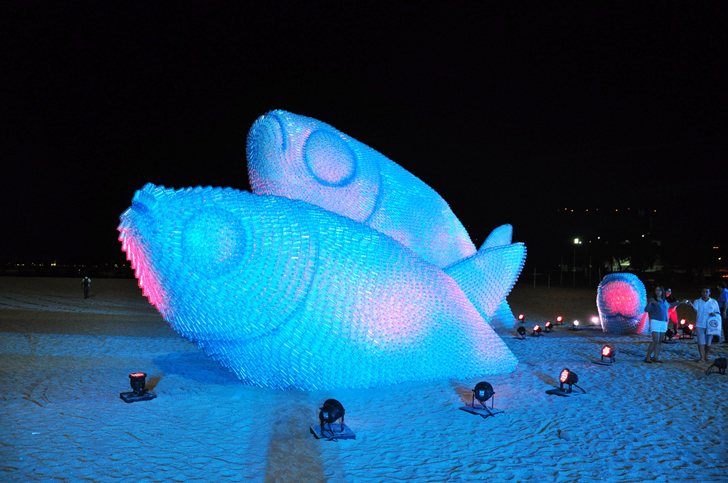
point(287, 293)
point(302, 158)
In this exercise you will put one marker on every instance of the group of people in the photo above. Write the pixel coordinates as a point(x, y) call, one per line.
point(711, 316)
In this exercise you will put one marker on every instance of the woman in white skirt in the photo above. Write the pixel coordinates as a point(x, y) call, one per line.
point(657, 308)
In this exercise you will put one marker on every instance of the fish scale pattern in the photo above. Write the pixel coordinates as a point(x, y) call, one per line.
point(288, 295)
point(621, 300)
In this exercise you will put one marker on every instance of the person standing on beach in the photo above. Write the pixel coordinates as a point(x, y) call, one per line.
point(86, 282)
point(706, 307)
point(658, 309)
point(723, 305)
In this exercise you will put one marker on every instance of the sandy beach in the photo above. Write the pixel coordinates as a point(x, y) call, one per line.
point(65, 360)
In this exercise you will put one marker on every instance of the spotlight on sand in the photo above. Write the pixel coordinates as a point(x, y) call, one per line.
point(331, 412)
point(559, 320)
point(521, 318)
point(608, 353)
point(536, 330)
point(139, 393)
point(575, 325)
point(569, 378)
point(521, 332)
point(719, 365)
point(482, 393)
point(669, 335)
point(687, 331)
point(595, 320)
point(548, 326)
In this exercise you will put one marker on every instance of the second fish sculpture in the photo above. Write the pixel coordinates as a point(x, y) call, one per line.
point(302, 158)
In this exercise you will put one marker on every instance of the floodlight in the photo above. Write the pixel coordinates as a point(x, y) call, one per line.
point(595, 320)
point(521, 318)
point(521, 331)
point(719, 364)
point(139, 392)
point(559, 320)
point(536, 330)
point(608, 352)
point(330, 412)
point(482, 392)
point(567, 377)
point(669, 335)
point(548, 327)
point(138, 381)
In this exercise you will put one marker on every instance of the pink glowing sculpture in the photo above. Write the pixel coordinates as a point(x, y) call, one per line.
point(621, 300)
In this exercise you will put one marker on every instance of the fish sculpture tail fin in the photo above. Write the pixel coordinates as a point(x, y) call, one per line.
point(488, 276)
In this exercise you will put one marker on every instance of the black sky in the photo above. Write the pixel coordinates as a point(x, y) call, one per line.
point(508, 109)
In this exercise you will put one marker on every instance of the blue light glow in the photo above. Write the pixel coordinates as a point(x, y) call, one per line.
point(342, 269)
point(289, 295)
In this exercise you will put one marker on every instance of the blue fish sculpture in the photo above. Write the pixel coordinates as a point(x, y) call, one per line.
point(303, 158)
point(289, 295)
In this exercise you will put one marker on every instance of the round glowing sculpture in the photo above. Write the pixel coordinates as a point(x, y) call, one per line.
point(621, 300)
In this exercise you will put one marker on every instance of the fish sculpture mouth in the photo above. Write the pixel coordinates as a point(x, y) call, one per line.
point(176, 237)
point(289, 154)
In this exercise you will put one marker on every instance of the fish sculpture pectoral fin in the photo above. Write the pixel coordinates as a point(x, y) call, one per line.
point(488, 276)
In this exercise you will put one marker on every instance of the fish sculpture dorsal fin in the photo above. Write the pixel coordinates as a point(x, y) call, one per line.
point(488, 276)
point(503, 235)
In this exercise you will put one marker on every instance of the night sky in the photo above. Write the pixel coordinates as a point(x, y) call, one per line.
point(509, 110)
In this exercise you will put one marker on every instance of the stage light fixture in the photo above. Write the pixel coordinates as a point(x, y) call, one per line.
point(560, 320)
point(521, 318)
point(521, 332)
point(330, 412)
point(595, 320)
point(548, 327)
point(536, 330)
point(608, 352)
point(669, 335)
point(567, 377)
point(575, 325)
point(139, 392)
point(482, 392)
point(720, 364)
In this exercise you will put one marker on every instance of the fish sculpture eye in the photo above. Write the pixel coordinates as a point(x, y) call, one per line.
point(329, 159)
point(213, 242)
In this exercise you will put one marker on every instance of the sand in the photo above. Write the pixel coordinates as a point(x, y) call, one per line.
point(65, 360)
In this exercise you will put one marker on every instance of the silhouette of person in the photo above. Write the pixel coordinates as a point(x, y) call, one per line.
point(86, 282)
